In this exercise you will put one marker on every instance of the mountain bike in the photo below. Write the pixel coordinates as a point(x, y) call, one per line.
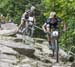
point(29, 30)
point(54, 42)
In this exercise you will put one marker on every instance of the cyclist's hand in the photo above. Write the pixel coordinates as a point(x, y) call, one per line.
point(45, 31)
point(64, 30)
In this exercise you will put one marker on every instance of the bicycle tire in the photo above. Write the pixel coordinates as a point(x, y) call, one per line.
point(29, 31)
point(32, 31)
point(57, 50)
point(53, 50)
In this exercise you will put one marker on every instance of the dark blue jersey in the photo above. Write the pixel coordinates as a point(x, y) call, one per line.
point(29, 13)
point(53, 22)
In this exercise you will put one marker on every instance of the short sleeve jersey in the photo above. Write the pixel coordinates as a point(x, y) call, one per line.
point(27, 14)
point(53, 22)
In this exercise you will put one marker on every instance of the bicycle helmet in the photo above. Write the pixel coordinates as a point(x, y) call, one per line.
point(52, 14)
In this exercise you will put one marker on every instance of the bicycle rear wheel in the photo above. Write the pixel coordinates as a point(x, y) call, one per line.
point(53, 47)
point(32, 31)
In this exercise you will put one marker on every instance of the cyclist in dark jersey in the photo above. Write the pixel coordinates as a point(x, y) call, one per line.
point(52, 22)
point(26, 15)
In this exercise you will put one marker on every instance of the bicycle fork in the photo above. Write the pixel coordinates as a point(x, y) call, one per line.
point(55, 49)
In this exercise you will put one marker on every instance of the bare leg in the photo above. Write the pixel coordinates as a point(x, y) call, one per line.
point(49, 38)
point(26, 24)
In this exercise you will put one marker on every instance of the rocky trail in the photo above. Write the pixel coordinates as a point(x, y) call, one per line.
point(33, 52)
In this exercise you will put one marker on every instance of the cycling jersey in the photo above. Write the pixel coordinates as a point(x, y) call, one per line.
point(28, 14)
point(53, 22)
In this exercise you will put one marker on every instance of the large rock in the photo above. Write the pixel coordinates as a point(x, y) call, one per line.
point(40, 58)
point(8, 29)
point(7, 38)
point(62, 64)
point(44, 57)
point(66, 56)
point(23, 65)
point(39, 40)
point(5, 64)
point(8, 58)
point(27, 39)
point(8, 26)
point(8, 32)
point(20, 47)
point(7, 50)
point(41, 64)
point(27, 60)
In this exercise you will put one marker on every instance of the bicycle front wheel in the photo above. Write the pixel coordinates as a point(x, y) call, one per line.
point(28, 32)
point(57, 50)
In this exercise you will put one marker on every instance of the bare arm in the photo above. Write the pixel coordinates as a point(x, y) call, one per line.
point(64, 26)
point(22, 20)
point(20, 24)
point(44, 27)
point(34, 20)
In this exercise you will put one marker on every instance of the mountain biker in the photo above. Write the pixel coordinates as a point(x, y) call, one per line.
point(52, 22)
point(25, 17)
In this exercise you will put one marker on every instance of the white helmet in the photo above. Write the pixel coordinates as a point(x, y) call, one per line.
point(32, 8)
point(52, 14)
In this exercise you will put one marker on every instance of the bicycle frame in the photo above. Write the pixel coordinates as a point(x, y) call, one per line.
point(54, 42)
